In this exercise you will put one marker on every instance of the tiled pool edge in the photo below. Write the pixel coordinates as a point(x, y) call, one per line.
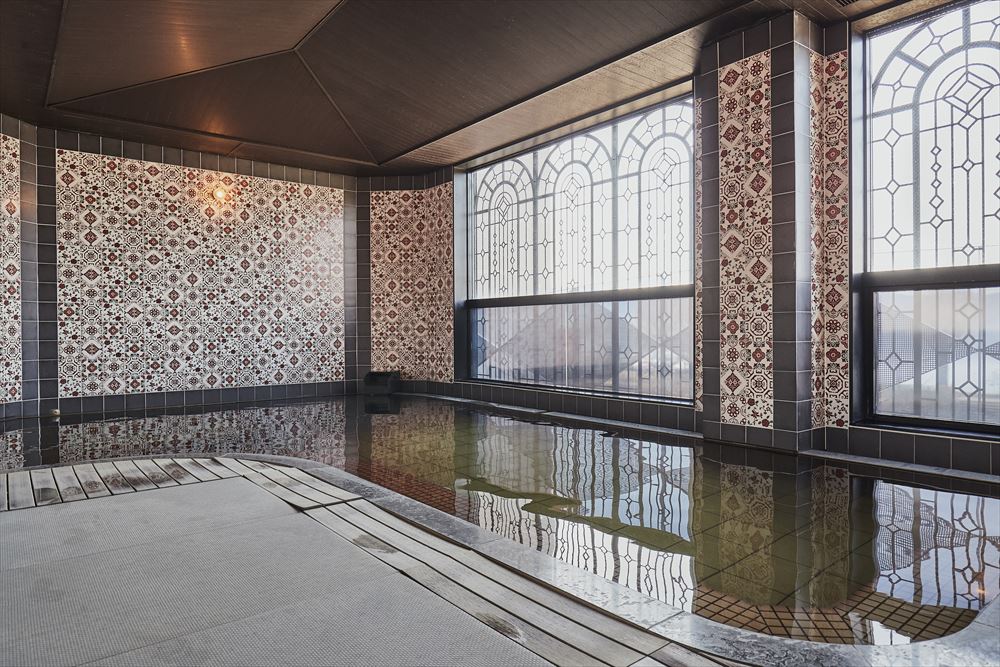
point(977, 644)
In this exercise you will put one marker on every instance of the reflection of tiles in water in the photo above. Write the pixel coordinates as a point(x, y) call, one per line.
point(857, 620)
point(11, 450)
point(933, 546)
point(313, 431)
point(659, 574)
point(419, 439)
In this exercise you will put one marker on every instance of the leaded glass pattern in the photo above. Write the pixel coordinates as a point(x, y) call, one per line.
point(636, 347)
point(934, 140)
point(607, 209)
point(937, 354)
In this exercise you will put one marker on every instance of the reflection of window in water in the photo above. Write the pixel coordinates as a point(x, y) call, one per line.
point(934, 547)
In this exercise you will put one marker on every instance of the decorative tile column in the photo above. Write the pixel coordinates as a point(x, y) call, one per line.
point(765, 231)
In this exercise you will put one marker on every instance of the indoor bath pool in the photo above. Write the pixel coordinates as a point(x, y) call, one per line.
point(773, 546)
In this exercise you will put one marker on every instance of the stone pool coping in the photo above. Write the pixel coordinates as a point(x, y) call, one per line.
point(977, 644)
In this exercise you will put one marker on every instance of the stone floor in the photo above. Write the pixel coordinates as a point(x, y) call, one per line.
point(232, 572)
point(218, 573)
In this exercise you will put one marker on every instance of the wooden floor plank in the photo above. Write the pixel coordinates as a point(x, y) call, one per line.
point(533, 639)
point(527, 635)
point(675, 655)
point(560, 603)
point(90, 481)
point(113, 479)
point(202, 473)
point(19, 490)
point(289, 497)
point(44, 485)
point(3, 491)
point(360, 538)
point(234, 465)
point(585, 639)
point(216, 467)
point(315, 483)
point(134, 476)
point(68, 485)
point(154, 473)
point(290, 483)
point(176, 471)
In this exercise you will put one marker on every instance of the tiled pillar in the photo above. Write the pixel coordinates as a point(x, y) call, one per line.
point(753, 97)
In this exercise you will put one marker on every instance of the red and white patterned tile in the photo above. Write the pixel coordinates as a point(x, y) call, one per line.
point(412, 237)
point(162, 287)
point(10, 269)
point(745, 231)
point(830, 265)
point(699, 318)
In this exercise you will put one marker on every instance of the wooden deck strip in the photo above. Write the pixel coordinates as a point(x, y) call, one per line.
point(288, 496)
point(202, 473)
point(154, 473)
point(3, 491)
point(318, 484)
point(134, 476)
point(234, 465)
point(113, 479)
point(90, 481)
point(606, 625)
point(596, 645)
point(290, 483)
point(68, 485)
point(216, 468)
point(179, 474)
point(539, 642)
point(19, 490)
point(44, 485)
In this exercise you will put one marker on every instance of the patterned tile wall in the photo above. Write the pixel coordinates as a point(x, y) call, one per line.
point(412, 273)
point(830, 267)
point(10, 269)
point(745, 231)
point(699, 317)
point(165, 287)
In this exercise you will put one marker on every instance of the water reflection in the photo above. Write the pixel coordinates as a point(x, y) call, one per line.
point(817, 554)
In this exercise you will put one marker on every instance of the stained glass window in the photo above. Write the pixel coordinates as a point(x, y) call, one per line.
point(933, 212)
point(606, 210)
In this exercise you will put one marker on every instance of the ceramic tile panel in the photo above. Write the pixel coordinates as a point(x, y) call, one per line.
point(10, 269)
point(173, 278)
point(699, 318)
point(830, 265)
point(745, 236)
point(412, 273)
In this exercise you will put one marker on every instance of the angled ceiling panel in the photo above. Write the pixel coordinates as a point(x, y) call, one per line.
point(273, 98)
point(109, 44)
point(406, 72)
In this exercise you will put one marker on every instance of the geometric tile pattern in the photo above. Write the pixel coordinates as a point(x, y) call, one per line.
point(699, 319)
point(847, 622)
point(745, 238)
point(173, 278)
point(412, 273)
point(10, 269)
point(830, 265)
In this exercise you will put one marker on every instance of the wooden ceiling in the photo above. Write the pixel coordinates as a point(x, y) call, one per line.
point(361, 86)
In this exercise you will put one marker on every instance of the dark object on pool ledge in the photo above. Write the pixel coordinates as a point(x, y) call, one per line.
point(381, 382)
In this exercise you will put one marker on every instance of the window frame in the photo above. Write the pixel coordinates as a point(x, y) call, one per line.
point(467, 306)
point(867, 284)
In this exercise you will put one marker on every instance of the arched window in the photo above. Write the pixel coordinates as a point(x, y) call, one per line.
point(931, 264)
point(581, 259)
